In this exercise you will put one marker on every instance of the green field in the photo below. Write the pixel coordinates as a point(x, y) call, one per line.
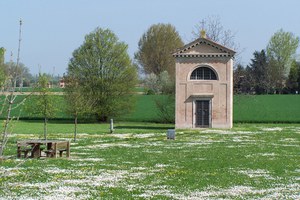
point(144, 110)
point(250, 161)
point(22, 111)
point(247, 108)
point(267, 108)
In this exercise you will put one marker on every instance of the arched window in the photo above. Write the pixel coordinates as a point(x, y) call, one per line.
point(203, 73)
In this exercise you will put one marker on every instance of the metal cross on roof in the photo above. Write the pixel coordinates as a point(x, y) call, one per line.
point(202, 23)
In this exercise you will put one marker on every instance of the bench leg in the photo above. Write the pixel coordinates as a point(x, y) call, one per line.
point(19, 154)
point(68, 149)
point(49, 153)
point(25, 154)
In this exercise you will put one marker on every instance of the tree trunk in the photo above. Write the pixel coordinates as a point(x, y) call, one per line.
point(75, 127)
point(45, 128)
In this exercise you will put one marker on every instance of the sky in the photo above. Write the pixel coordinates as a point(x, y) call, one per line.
point(53, 29)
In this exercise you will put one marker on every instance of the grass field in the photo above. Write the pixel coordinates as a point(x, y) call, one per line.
point(247, 108)
point(251, 161)
point(24, 113)
point(145, 109)
point(267, 108)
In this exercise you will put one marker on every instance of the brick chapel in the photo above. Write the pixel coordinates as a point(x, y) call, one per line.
point(204, 85)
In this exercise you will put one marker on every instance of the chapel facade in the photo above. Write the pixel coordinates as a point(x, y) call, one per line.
point(204, 85)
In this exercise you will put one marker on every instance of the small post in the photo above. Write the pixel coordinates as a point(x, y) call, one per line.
point(68, 149)
point(171, 134)
point(111, 126)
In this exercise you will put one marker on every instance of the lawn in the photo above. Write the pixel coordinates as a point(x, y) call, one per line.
point(250, 161)
point(247, 109)
point(267, 108)
point(145, 109)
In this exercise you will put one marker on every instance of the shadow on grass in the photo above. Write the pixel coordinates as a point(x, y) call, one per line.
point(61, 121)
point(145, 127)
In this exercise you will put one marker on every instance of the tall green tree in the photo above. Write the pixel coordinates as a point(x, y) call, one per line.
point(105, 74)
point(155, 49)
point(260, 72)
point(239, 74)
point(298, 80)
point(243, 80)
point(292, 82)
point(280, 49)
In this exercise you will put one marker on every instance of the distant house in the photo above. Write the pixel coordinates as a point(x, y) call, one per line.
point(204, 85)
point(62, 83)
point(49, 85)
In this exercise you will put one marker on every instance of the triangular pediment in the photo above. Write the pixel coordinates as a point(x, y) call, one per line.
point(203, 47)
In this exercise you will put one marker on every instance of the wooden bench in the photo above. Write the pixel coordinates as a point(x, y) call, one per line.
point(58, 147)
point(61, 151)
point(39, 148)
point(63, 147)
point(49, 152)
point(23, 148)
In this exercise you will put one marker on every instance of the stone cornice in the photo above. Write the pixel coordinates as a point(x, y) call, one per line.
point(202, 55)
point(223, 51)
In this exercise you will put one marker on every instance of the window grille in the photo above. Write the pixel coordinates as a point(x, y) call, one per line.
point(203, 73)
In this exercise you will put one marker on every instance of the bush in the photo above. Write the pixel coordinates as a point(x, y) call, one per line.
point(150, 92)
point(166, 108)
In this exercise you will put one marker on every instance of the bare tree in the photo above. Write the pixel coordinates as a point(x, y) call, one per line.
point(9, 101)
point(215, 31)
point(76, 105)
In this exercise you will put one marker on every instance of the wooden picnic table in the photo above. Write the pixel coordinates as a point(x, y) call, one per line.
point(40, 148)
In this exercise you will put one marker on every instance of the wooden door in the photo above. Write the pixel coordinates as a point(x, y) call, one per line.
point(202, 113)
